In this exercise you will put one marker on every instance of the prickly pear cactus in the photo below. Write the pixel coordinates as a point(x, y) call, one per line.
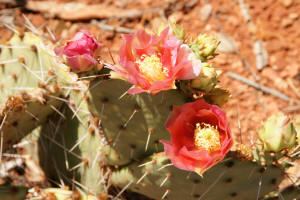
point(157, 178)
point(132, 124)
point(27, 86)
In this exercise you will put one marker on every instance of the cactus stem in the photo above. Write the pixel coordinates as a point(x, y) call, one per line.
point(165, 194)
point(143, 176)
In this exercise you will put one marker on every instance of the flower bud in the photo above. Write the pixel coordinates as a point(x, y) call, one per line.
point(80, 51)
point(204, 46)
point(278, 133)
point(207, 79)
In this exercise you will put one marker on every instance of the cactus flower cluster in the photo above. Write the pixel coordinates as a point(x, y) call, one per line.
point(168, 121)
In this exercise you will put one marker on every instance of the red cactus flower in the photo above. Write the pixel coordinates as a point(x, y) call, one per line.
point(80, 51)
point(153, 63)
point(200, 136)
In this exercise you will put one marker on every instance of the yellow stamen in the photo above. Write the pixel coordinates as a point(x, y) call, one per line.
point(152, 68)
point(207, 137)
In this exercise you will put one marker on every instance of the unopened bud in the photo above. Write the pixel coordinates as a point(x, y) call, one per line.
point(207, 79)
point(204, 46)
point(278, 133)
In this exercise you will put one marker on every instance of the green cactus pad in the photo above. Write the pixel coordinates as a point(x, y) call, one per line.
point(25, 86)
point(127, 121)
point(231, 179)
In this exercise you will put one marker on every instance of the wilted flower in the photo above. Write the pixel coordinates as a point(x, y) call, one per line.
point(80, 51)
point(278, 133)
point(152, 63)
point(200, 136)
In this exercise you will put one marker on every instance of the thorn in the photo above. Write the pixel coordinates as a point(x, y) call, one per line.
point(61, 146)
point(14, 155)
point(188, 176)
point(14, 47)
point(147, 163)
point(126, 186)
point(212, 185)
point(93, 76)
point(58, 173)
point(41, 64)
point(143, 176)
point(50, 33)
point(30, 26)
point(79, 119)
point(34, 74)
point(78, 165)
point(65, 152)
point(259, 187)
point(131, 116)
point(165, 180)
point(165, 194)
point(116, 138)
point(164, 166)
point(148, 138)
point(58, 98)
point(79, 141)
point(32, 115)
point(62, 115)
point(1, 145)
point(12, 29)
point(21, 144)
point(96, 157)
point(8, 61)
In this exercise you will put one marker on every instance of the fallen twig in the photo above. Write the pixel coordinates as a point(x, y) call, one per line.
point(258, 86)
point(106, 27)
point(81, 11)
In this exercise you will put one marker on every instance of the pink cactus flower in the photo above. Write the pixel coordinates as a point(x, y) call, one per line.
point(80, 51)
point(152, 63)
point(200, 136)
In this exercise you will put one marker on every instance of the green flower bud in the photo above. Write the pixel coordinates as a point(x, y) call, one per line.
point(204, 46)
point(296, 124)
point(278, 133)
point(207, 79)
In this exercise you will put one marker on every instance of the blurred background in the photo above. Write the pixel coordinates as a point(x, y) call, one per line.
point(259, 53)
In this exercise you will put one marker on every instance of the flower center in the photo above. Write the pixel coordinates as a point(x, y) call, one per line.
point(207, 137)
point(151, 68)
